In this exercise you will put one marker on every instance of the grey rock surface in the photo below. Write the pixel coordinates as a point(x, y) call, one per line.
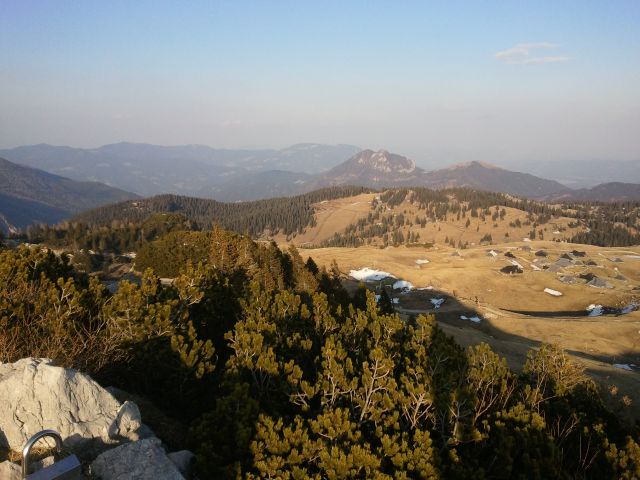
point(183, 460)
point(36, 395)
point(141, 460)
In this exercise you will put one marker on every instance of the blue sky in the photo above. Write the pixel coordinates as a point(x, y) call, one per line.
point(438, 81)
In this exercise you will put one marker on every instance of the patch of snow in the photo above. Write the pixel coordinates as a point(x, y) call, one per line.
point(422, 261)
point(594, 310)
point(462, 317)
point(535, 267)
point(425, 288)
point(516, 264)
point(437, 302)
point(632, 307)
point(550, 291)
point(623, 366)
point(475, 319)
point(492, 253)
point(367, 274)
point(402, 285)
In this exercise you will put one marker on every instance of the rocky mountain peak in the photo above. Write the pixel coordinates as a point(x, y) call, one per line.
point(386, 162)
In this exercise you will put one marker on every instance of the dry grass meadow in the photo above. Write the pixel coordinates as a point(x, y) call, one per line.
point(516, 313)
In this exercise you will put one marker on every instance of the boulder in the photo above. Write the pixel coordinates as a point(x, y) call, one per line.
point(141, 460)
point(599, 283)
point(183, 460)
point(13, 471)
point(10, 471)
point(511, 269)
point(563, 262)
point(587, 276)
point(568, 279)
point(36, 395)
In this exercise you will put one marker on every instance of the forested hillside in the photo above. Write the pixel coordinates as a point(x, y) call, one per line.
point(418, 215)
point(288, 214)
point(271, 370)
point(29, 195)
point(412, 216)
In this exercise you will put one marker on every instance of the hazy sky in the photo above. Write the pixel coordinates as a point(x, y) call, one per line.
point(438, 81)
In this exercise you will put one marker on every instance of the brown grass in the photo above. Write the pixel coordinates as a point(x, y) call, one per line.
point(517, 314)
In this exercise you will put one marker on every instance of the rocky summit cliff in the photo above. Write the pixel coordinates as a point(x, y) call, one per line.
point(374, 169)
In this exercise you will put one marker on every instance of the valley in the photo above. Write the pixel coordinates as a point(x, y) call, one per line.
point(515, 312)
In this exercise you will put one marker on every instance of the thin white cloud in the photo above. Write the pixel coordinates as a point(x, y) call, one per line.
point(231, 123)
point(524, 54)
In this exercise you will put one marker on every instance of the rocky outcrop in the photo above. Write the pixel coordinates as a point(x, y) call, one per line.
point(143, 460)
point(10, 471)
point(183, 460)
point(36, 395)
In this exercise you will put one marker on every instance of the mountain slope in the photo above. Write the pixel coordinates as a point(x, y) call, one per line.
point(384, 169)
point(185, 169)
point(374, 169)
point(605, 192)
point(256, 186)
point(29, 195)
point(483, 176)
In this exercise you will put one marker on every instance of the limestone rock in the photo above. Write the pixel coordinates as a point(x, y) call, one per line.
point(36, 395)
point(141, 460)
point(183, 460)
point(10, 471)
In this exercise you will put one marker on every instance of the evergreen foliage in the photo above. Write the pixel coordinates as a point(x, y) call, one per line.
point(281, 375)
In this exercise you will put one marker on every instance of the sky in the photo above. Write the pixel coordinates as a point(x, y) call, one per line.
point(441, 81)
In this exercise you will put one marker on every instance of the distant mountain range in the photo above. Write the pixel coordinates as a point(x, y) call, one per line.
point(189, 169)
point(582, 174)
point(605, 192)
point(29, 195)
point(378, 169)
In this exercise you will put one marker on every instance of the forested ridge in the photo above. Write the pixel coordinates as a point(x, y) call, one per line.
point(603, 224)
point(129, 225)
point(277, 372)
point(288, 214)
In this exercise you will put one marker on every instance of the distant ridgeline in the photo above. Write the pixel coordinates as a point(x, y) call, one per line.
point(268, 368)
point(126, 226)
